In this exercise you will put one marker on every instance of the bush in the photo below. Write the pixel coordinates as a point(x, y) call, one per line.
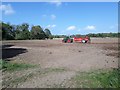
point(50, 37)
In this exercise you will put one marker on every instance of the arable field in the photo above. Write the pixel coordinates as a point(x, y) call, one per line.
point(53, 64)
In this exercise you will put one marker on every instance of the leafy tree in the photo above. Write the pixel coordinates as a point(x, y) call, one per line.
point(37, 33)
point(48, 33)
point(7, 32)
point(18, 34)
point(22, 32)
point(51, 37)
point(0, 31)
point(25, 31)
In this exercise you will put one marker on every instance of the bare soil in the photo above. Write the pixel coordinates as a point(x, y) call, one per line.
point(53, 55)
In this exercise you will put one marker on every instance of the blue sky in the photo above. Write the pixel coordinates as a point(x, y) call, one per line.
point(64, 17)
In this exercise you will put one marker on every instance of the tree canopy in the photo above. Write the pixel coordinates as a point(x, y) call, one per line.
point(23, 32)
point(37, 33)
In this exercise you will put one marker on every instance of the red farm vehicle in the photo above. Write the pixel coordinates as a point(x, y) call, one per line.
point(84, 39)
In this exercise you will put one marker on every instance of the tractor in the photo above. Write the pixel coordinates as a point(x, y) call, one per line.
point(67, 40)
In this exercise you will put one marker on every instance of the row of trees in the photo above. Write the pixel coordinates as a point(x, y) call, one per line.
point(90, 35)
point(22, 32)
point(104, 35)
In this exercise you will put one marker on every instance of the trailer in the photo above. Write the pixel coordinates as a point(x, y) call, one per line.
point(85, 39)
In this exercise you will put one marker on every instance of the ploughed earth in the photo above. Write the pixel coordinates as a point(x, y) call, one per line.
point(57, 62)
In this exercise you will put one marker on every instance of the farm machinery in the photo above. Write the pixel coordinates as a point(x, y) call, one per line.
point(84, 39)
point(67, 40)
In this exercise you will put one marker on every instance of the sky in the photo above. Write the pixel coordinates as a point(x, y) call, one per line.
point(64, 18)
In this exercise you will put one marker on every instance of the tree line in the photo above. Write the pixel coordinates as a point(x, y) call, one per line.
point(101, 35)
point(23, 32)
point(104, 35)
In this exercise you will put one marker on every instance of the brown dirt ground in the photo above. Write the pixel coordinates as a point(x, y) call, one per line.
point(101, 53)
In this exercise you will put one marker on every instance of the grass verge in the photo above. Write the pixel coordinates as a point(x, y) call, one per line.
point(10, 66)
point(97, 79)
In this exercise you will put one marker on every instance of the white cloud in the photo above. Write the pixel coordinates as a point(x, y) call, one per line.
point(51, 26)
point(71, 28)
point(90, 27)
point(56, 2)
point(53, 16)
point(7, 9)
